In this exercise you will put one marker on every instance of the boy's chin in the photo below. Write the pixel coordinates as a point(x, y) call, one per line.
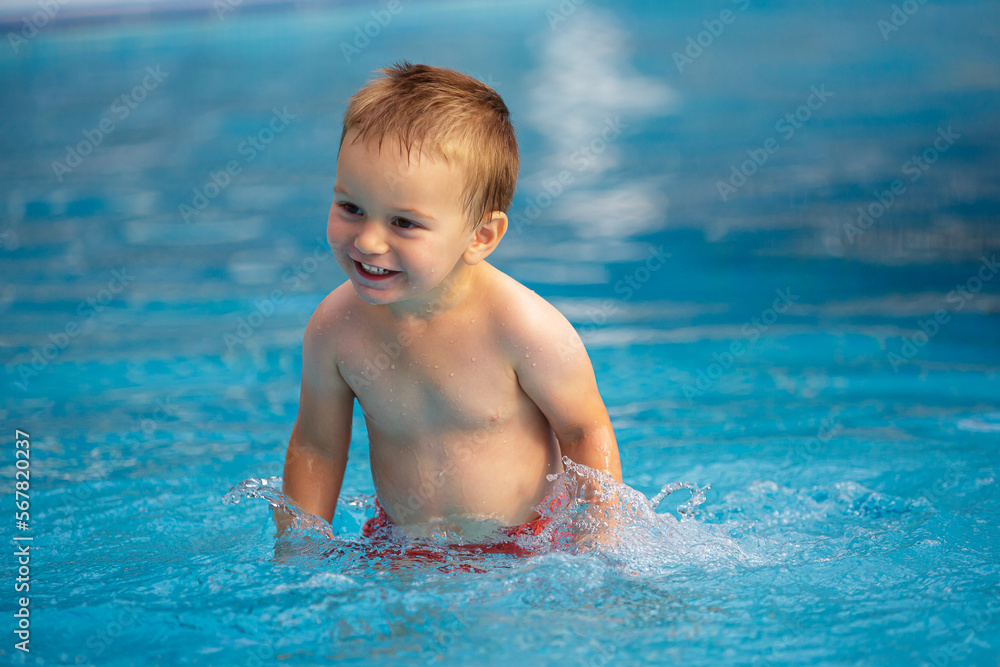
point(376, 297)
point(380, 297)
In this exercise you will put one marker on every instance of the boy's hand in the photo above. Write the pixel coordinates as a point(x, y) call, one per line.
point(283, 520)
point(596, 527)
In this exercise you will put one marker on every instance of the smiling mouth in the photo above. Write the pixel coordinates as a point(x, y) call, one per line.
point(373, 272)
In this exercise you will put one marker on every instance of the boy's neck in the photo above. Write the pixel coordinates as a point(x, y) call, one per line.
point(451, 295)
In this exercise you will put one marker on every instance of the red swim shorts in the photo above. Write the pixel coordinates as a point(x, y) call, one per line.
point(507, 546)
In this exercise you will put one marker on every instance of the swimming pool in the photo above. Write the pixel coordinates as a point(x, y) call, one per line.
point(830, 372)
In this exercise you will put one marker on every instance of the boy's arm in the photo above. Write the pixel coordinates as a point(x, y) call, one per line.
point(317, 450)
point(559, 378)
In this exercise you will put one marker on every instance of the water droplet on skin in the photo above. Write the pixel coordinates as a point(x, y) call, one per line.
point(473, 358)
point(392, 365)
point(533, 363)
point(451, 374)
point(472, 321)
point(527, 355)
point(436, 366)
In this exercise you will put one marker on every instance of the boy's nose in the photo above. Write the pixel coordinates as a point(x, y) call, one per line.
point(370, 240)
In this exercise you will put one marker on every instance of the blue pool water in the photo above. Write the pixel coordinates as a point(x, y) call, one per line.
point(832, 378)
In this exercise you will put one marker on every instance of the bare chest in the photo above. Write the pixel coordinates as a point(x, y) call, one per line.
point(426, 381)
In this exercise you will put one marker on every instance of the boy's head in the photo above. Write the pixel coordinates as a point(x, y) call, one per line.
point(446, 114)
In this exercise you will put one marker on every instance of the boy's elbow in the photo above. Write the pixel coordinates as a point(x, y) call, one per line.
point(330, 450)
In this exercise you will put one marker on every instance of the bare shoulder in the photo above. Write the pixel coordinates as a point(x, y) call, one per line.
point(333, 308)
point(525, 319)
point(328, 322)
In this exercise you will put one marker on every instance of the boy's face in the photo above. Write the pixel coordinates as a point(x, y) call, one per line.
point(387, 214)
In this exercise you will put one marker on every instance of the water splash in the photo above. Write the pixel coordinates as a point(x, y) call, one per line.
point(582, 483)
point(269, 489)
point(590, 512)
point(586, 511)
point(687, 509)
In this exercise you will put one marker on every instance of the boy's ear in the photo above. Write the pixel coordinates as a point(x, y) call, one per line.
point(486, 237)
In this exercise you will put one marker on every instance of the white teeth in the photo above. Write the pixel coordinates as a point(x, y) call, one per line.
point(374, 269)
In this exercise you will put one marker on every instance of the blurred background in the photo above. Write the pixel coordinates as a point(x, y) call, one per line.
point(774, 223)
point(846, 153)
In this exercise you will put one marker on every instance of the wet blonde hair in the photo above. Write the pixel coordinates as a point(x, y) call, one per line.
point(443, 113)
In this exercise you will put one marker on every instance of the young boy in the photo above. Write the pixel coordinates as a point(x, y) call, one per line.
point(472, 385)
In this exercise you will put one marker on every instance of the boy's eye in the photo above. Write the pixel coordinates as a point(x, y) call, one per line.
point(350, 208)
point(403, 223)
